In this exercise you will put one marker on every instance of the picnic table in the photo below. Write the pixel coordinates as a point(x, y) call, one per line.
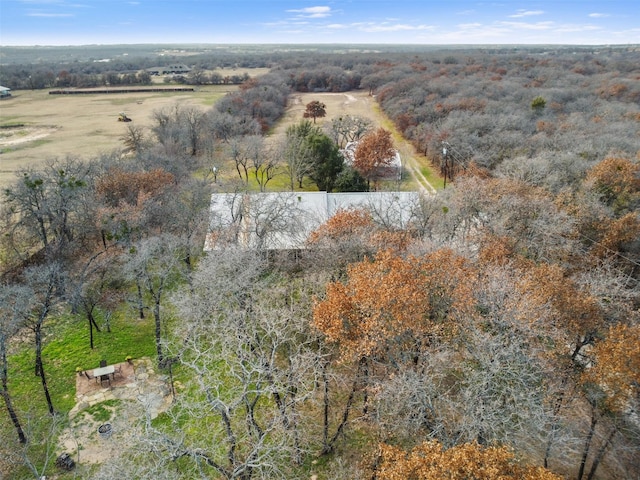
point(103, 373)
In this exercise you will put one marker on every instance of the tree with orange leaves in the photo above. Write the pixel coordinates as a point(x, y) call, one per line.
point(615, 234)
point(429, 461)
point(352, 233)
point(616, 368)
point(559, 311)
point(611, 385)
point(618, 181)
point(127, 198)
point(392, 299)
point(390, 308)
point(343, 224)
point(315, 109)
point(373, 154)
point(346, 234)
point(562, 320)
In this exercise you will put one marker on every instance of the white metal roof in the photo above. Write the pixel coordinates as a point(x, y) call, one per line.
point(284, 220)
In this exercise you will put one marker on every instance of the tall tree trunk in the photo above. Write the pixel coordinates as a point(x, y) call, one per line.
point(364, 363)
point(43, 378)
point(156, 316)
point(7, 399)
point(587, 443)
point(231, 438)
point(555, 420)
point(325, 407)
point(330, 444)
point(92, 324)
point(600, 455)
point(37, 330)
point(12, 413)
point(140, 302)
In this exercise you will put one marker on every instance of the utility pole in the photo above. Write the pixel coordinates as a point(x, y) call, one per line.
point(449, 157)
point(445, 161)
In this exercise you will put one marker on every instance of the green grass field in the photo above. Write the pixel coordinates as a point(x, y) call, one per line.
point(66, 348)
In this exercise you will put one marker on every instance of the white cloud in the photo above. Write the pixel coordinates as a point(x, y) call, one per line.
point(599, 15)
point(55, 3)
point(528, 26)
point(476, 31)
point(49, 15)
point(397, 27)
point(577, 28)
point(312, 12)
point(526, 13)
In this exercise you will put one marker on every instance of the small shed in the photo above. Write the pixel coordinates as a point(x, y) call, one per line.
point(4, 92)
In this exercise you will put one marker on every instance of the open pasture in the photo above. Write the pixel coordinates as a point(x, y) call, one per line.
point(36, 126)
point(355, 103)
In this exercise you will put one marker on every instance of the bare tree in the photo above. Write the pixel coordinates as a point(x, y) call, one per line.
point(264, 162)
point(156, 262)
point(188, 212)
point(14, 301)
point(252, 361)
point(348, 128)
point(46, 284)
point(244, 150)
point(274, 221)
point(47, 208)
point(90, 283)
point(193, 120)
point(225, 126)
point(166, 128)
point(134, 138)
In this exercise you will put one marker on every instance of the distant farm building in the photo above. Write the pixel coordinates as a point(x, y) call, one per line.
point(168, 70)
point(5, 92)
point(285, 220)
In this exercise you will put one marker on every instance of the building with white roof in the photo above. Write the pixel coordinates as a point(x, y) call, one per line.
point(285, 220)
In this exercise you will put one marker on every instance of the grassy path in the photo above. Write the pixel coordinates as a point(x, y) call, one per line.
point(360, 103)
point(414, 163)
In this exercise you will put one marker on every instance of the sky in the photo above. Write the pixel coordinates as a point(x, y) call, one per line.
point(433, 22)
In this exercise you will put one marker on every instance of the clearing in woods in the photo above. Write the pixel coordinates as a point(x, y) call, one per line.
point(36, 127)
point(358, 103)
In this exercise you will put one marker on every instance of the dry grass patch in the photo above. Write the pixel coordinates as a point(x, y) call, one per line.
point(357, 103)
point(36, 126)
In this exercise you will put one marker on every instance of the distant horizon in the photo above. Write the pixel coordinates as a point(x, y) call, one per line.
point(58, 23)
point(337, 44)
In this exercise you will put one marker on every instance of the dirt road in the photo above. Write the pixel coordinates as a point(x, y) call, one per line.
point(358, 103)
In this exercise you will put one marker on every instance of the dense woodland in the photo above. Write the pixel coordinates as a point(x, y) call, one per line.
point(495, 335)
